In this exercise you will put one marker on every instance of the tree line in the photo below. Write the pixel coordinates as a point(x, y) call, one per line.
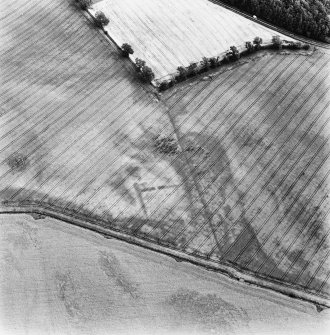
point(305, 17)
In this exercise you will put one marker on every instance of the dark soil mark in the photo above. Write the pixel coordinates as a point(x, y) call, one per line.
point(134, 171)
point(67, 293)
point(18, 163)
point(118, 185)
point(166, 145)
point(114, 271)
point(206, 312)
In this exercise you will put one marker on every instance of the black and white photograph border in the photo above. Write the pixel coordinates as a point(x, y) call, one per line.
point(164, 167)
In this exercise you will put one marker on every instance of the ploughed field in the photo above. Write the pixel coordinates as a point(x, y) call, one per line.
point(240, 171)
point(168, 34)
point(259, 160)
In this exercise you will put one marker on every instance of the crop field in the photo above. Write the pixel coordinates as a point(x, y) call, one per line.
point(246, 179)
point(75, 123)
point(168, 34)
point(59, 279)
point(260, 162)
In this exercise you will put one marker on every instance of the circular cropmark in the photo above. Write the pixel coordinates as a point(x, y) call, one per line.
point(17, 162)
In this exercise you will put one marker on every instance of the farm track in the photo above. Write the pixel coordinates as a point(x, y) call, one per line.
point(75, 110)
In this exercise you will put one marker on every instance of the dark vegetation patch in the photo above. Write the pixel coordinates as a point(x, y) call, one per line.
point(309, 17)
point(166, 145)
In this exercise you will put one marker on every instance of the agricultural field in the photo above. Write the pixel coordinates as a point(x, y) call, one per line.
point(168, 34)
point(234, 169)
point(258, 139)
point(60, 279)
point(76, 125)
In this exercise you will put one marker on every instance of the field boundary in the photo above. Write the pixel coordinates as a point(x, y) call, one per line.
point(223, 59)
point(228, 270)
point(170, 77)
point(107, 37)
point(89, 15)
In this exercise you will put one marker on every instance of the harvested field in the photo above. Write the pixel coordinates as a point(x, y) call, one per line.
point(168, 34)
point(60, 279)
point(233, 169)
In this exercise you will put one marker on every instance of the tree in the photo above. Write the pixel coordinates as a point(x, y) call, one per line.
point(277, 42)
point(298, 45)
point(257, 42)
point(205, 64)
point(127, 50)
point(182, 73)
point(147, 74)
point(144, 71)
point(227, 57)
point(85, 4)
point(192, 69)
point(139, 64)
point(163, 86)
point(249, 46)
point(214, 62)
point(235, 55)
point(100, 19)
point(295, 45)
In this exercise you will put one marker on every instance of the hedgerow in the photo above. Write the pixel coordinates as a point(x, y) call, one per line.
point(232, 55)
